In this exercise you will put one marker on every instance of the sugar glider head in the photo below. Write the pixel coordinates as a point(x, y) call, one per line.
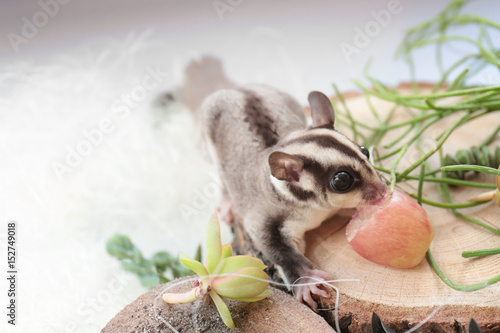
point(321, 167)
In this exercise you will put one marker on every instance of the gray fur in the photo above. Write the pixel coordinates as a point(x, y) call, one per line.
point(245, 126)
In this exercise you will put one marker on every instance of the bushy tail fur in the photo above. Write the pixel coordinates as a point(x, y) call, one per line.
point(201, 78)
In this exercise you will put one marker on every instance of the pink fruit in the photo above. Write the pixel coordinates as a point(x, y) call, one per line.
point(395, 231)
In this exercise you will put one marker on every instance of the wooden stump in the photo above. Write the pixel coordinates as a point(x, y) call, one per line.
point(277, 313)
point(403, 298)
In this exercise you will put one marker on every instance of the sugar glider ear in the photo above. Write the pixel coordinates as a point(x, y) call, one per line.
point(322, 112)
point(285, 166)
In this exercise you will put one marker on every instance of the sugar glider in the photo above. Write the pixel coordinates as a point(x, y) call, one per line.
point(281, 176)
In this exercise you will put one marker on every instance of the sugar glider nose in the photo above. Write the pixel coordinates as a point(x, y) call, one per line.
point(375, 192)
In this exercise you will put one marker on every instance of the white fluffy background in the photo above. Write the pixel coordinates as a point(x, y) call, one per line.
point(135, 181)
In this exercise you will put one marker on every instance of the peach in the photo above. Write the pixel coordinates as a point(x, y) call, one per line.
point(395, 231)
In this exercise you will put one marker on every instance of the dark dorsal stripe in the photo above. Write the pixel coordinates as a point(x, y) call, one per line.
point(214, 125)
point(258, 117)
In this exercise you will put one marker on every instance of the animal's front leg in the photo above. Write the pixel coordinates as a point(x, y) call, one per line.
point(284, 250)
point(311, 281)
point(225, 208)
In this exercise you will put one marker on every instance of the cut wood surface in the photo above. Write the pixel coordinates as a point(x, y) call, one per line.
point(404, 297)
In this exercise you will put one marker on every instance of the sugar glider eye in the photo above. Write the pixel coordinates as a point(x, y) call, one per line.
point(365, 151)
point(341, 181)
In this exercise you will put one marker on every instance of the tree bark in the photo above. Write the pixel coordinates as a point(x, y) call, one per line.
point(277, 313)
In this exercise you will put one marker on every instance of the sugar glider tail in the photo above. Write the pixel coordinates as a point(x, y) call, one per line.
point(202, 77)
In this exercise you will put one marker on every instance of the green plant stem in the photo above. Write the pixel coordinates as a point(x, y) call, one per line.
point(458, 80)
point(447, 197)
point(451, 205)
point(450, 181)
point(478, 98)
point(413, 121)
point(433, 172)
point(390, 154)
point(403, 149)
point(357, 123)
point(445, 75)
point(394, 177)
point(420, 185)
point(493, 105)
point(472, 18)
point(401, 98)
point(475, 101)
point(400, 137)
point(487, 55)
point(480, 253)
point(439, 143)
point(382, 130)
point(457, 286)
point(476, 222)
point(470, 167)
point(373, 111)
point(391, 97)
point(490, 138)
point(347, 111)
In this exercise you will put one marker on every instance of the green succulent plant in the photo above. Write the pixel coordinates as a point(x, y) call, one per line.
point(235, 277)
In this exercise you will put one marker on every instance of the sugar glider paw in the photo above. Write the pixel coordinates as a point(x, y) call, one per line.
point(308, 285)
point(225, 211)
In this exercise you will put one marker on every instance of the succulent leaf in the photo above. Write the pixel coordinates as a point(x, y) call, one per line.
point(236, 277)
point(162, 260)
point(227, 251)
point(234, 263)
point(223, 310)
point(193, 265)
point(259, 297)
point(485, 196)
point(182, 298)
point(243, 283)
point(214, 247)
